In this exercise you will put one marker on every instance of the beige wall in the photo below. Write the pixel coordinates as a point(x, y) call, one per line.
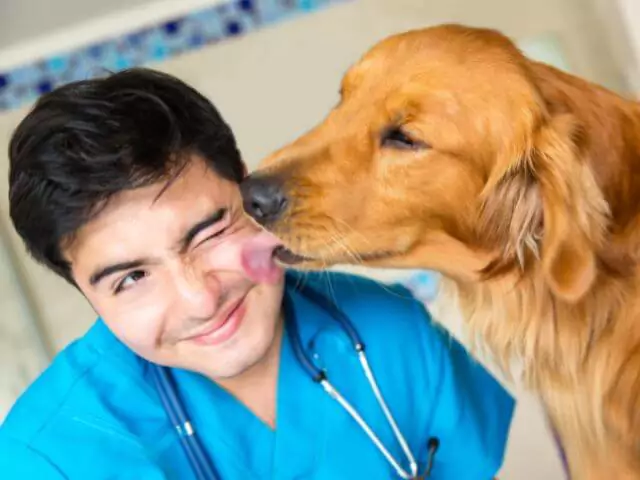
point(21, 354)
point(271, 86)
point(18, 22)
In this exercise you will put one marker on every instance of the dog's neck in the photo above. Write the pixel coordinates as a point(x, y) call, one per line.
point(520, 320)
point(515, 313)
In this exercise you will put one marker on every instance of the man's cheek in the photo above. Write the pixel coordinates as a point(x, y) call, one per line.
point(141, 335)
point(144, 345)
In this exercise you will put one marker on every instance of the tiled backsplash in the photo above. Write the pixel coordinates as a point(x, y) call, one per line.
point(194, 30)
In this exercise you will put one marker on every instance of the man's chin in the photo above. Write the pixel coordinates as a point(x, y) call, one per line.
point(224, 370)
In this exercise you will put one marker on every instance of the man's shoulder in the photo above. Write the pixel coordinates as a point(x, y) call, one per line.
point(71, 382)
point(348, 288)
point(93, 408)
point(369, 303)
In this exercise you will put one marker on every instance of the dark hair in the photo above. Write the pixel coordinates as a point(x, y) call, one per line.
point(89, 140)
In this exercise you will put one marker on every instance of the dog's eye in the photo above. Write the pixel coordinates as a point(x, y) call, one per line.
point(396, 138)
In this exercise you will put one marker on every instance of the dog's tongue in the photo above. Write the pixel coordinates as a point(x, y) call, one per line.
point(257, 258)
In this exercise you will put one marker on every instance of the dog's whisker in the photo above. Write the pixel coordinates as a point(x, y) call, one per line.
point(349, 229)
point(341, 242)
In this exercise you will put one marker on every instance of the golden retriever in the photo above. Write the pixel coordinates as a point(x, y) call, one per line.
point(450, 150)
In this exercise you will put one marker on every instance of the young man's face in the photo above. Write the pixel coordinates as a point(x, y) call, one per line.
point(168, 275)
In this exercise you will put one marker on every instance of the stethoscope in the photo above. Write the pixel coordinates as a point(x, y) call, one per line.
point(201, 463)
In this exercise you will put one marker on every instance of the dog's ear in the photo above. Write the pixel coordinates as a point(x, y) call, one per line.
point(575, 211)
point(511, 216)
point(547, 203)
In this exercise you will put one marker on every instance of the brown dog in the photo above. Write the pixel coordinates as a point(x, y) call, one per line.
point(451, 151)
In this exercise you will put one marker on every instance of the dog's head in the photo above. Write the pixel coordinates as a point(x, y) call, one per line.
point(443, 153)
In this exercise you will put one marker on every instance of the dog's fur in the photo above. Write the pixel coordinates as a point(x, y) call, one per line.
point(521, 184)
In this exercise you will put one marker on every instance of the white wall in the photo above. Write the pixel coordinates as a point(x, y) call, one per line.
point(24, 20)
point(629, 11)
point(21, 354)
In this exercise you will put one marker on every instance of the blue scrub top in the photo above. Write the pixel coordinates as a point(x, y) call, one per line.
point(94, 413)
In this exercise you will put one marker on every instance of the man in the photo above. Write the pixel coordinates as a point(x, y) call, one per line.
point(127, 187)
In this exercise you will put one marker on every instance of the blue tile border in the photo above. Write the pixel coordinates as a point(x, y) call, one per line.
point(234, 18)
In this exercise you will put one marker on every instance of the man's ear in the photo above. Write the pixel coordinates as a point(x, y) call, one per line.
point(548, 203)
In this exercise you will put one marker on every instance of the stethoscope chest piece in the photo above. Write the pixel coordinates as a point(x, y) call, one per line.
point(330, 348)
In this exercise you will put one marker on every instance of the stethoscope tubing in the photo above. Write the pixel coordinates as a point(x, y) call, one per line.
point(172, 404)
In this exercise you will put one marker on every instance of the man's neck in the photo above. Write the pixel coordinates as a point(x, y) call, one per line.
point(256, 387)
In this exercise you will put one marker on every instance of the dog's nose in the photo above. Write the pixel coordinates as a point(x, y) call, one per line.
point(263, 198)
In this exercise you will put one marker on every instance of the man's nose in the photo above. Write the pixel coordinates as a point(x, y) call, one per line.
point(263, 198)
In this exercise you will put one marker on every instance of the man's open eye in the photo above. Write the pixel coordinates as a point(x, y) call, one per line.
point(130, 280)
point(398, 139)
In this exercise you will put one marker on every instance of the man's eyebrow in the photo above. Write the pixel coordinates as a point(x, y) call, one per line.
point(207, 222)
point(109, 270)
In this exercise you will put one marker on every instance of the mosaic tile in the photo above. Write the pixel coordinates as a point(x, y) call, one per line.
point(194, 30)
